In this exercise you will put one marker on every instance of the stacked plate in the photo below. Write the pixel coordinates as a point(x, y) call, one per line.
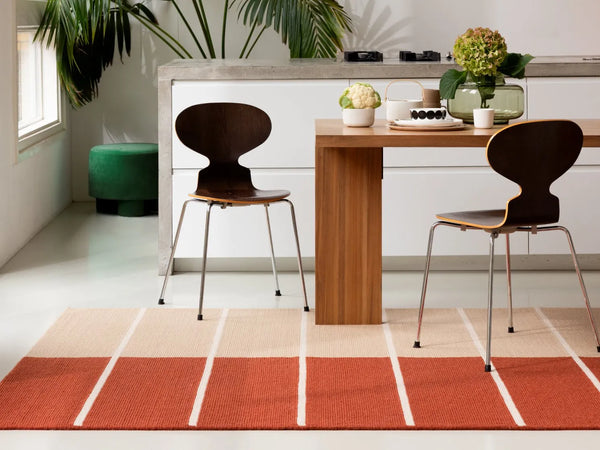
point(418, 125)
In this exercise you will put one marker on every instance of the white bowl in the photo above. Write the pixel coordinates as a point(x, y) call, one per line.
point(358, 117)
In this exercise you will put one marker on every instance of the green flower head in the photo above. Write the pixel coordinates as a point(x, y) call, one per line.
point(480, 51)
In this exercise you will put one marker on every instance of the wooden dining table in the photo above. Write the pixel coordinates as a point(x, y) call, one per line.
point(348, 174)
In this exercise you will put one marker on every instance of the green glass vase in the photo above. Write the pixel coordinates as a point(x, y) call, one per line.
point(507, 100)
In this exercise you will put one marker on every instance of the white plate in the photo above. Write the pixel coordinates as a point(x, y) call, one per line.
point(429, 123)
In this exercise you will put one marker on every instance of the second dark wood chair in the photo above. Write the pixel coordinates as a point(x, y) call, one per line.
point(223, 132)
point(532, 154)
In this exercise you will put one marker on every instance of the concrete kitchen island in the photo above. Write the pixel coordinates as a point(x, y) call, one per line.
point(295, 93)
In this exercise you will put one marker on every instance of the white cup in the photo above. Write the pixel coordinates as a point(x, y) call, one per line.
point(483, 117)
point(400, 109)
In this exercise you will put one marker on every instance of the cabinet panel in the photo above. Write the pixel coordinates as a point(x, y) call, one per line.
point(412, 197)
point(577, 191)
point(564, 98)
point(242, 231)
point(292, 106)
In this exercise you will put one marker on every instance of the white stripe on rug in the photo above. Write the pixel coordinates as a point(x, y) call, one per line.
point(568, 349)
point(301, 419)
point(510, 404)
point(87, 406)
point(195, 415)
point(400, 386)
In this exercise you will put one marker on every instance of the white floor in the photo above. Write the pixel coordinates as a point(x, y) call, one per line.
point(86, 260)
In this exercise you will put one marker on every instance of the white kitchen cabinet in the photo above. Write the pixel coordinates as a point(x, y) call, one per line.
point(417, 183)
point(564, 98)
point(570, 98)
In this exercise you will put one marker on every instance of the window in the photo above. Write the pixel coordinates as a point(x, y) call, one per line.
point(39, 99)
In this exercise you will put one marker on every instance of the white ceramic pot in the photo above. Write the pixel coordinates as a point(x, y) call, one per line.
point(358, 117)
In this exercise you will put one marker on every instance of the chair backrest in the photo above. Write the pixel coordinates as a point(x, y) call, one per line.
point(534, 154)
point(223, 132)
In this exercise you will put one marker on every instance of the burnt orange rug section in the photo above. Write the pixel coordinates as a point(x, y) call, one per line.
point(161, 369)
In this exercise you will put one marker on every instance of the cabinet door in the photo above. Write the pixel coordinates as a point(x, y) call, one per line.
point(412, 197)
point(570, 98)
point(238, 232)
point(577, 191)
point(292, 106)
point(563, 98)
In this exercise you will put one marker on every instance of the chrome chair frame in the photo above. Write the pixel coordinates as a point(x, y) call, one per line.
point(494, 233)
point(223, 205)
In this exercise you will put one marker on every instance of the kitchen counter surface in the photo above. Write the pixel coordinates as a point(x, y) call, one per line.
point(297, 69)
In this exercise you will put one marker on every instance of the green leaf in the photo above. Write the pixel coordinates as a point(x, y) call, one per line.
point(450, 81)
point(310, 28)
point(345, 102)
point(514, 65)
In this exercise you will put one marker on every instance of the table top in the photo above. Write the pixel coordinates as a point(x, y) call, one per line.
point(333, 133)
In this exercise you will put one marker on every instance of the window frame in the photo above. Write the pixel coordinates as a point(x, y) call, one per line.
point(51, 101)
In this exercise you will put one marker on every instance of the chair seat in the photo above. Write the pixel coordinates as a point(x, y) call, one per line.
point(245, 196)
point(487, 219)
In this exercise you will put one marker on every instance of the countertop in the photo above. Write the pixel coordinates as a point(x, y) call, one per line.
point(298, 69)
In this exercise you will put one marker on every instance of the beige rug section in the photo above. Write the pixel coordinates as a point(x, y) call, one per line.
point(99, 333)
point(287, 333)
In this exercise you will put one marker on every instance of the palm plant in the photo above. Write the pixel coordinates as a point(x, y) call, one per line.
point(85, 33)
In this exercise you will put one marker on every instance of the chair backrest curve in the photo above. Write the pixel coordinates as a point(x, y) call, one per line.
point(223, 132)
point(534, 154)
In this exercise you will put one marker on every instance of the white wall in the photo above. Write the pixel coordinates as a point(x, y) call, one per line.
point(127, 107)
point(36, 189)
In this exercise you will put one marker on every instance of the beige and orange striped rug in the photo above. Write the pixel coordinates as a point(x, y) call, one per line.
point(142, 369)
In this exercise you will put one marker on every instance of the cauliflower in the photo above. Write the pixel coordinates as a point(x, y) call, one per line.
point(360, 96)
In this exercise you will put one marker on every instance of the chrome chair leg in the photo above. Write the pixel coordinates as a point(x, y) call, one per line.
point(580, 277)
point(417, 343)
point(511, 328)
point(161, 300)
point(209, 206)
point(488, 347)
point(300, 269)
point(273, 264)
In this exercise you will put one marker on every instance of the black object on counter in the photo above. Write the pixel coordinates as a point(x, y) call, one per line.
point(427, 55)
point(357, 56)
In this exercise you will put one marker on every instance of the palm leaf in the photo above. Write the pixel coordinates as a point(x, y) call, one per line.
point(85, 34)
point(310, 28)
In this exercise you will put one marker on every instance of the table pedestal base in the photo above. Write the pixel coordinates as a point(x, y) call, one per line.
point(348, 235)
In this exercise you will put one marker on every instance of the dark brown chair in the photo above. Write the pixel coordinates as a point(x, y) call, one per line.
point(223, 132)
point(532, 154)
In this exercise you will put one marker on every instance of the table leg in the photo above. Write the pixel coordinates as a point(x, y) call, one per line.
point(348, 235)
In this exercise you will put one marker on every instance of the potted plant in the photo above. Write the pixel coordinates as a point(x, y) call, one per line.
point(485, 60)
point(358, 104)
point(86, 32)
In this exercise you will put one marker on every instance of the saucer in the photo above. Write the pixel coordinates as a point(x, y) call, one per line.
point(452, 122)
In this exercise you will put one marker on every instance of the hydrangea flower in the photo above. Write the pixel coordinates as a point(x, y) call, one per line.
point(480, 51)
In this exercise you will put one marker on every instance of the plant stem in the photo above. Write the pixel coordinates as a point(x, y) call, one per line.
point(199, 7)
point(188, 26)
point(223, 32)
point(248, 39)
point(256, 40)
point(157, 30)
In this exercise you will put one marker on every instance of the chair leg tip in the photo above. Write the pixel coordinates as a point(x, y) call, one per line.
point(598, 348)
point(488, 367)
point(161, 301)
point(511, 329)
point(417, 344)
point(307, 309)
point(277, 293)
point(199, 316)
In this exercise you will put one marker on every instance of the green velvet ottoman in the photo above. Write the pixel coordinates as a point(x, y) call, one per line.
point(124, 178)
